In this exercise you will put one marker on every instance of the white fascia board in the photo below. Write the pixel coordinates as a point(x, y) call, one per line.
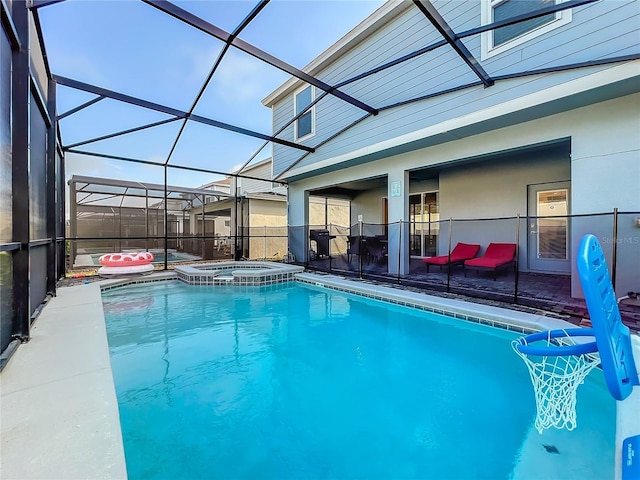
point(357, 35)
point(584, 84)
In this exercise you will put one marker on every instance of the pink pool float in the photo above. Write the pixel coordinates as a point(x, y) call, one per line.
point(123, 263)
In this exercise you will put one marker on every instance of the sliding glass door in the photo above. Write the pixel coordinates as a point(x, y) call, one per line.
point(424, 226)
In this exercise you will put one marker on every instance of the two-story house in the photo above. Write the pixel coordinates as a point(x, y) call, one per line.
point(459, 119)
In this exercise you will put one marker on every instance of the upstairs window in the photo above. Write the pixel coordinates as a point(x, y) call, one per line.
point(305, 125)
point(502, 39)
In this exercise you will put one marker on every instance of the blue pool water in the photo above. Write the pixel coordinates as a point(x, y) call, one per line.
point(299, 382)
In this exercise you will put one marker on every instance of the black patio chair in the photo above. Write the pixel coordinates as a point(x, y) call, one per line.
point(375, 248)
point(354, 246)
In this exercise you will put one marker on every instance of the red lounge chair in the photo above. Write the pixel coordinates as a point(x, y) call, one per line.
point(498, 256)
point(460, 253)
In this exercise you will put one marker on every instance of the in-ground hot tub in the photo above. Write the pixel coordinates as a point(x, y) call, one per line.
point(238, 273)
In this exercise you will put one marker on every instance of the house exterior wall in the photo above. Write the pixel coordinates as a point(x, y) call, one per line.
point(604, 170)
point(369, 205)
point(588, 36)
point(591, 109)
point(248, 185)
point(495, 189)
point(605, 173)
point(430, 185)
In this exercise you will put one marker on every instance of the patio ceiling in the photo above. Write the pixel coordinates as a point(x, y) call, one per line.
point(231, 41)
point(557, 148)
point(350, 190)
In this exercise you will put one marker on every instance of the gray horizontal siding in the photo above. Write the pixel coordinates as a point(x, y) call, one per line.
point(282, 113)
point(411, 31)
point(332, 113)
point(409, 118)
point(460, 16)
point(598, 30)
point(407, 81)
point(248, 185)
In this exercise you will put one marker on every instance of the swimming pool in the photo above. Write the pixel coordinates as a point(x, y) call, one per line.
point(296, 381)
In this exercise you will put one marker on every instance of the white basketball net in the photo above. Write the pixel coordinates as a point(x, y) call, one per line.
point(555, 382)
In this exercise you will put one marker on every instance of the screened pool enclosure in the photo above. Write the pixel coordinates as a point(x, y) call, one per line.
point(57, 215)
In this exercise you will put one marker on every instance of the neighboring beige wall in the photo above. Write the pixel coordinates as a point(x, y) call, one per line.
point(337, 212)
point(316, 211)
point(268, 208)
point(268, 229)
point(337, 220)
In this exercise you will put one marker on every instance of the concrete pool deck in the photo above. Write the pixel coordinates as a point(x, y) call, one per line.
point(59, 409)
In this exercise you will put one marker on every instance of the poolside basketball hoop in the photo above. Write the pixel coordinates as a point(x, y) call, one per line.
point(558, 363)
point(559, 360)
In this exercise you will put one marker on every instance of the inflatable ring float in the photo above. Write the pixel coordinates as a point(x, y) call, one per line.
point(123, 263)
point(125, 259)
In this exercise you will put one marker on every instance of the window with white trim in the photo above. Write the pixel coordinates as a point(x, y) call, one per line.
point(505, 38)
point(305, 126)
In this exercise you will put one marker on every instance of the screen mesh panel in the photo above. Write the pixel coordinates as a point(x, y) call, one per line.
point(6, 298)
point(38, 276)
point(5, 141)
point(60, 192)
point(37, 174)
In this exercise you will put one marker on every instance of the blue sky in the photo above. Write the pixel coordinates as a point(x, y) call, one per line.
point(132, 48)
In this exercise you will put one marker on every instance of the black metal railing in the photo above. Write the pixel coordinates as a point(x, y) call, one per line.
point(540, 272)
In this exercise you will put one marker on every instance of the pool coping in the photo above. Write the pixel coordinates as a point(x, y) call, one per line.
point(497, 317)
point(80, 437)
point(516, 321)
point(244, 273)
point(60, 416)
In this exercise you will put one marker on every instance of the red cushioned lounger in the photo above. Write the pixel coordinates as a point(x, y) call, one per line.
point(497, 257)
point(460, 253)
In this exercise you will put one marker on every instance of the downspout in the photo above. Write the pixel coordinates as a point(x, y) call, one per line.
point(614, 248)
point(517, 267)
point(146, 219)
point(166, 218)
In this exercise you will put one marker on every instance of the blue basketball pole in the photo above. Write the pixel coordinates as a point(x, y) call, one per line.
point(614, 346)
point(612, 336)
